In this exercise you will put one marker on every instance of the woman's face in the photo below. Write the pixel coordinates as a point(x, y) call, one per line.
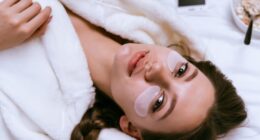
point(159, 90)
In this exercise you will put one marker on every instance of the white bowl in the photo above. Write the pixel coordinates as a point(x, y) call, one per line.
point(234, 4)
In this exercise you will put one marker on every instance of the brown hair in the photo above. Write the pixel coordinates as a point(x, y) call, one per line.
point(104, 114)
point(227, 112)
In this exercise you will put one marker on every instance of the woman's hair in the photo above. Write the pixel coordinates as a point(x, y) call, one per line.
point(104, 114)
point(227, 112)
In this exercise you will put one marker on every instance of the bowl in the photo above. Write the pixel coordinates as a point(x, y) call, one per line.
point(236, 8)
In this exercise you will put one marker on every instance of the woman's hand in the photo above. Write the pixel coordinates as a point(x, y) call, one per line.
point(20, 20)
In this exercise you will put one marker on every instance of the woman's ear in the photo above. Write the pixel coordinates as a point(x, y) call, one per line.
point(128, 128)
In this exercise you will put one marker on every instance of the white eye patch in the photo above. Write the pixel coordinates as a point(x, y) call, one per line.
point(173, 59)
point(143, 101)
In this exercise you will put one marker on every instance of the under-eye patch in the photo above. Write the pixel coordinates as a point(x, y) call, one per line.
point(143, 101)
point(173, 59)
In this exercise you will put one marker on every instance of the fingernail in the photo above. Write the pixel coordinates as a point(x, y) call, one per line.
point(50, 18)
point(48, 7)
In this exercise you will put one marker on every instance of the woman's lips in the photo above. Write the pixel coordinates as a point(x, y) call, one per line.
point(134, 61)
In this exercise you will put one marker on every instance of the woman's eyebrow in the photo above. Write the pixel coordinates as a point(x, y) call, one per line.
point(170, 109)
point(193, 75)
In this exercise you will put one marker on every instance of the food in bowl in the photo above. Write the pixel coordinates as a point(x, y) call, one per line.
point(253, 8)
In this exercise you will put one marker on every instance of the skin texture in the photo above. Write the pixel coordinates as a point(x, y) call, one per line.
point(20, 21)
point(109, 71)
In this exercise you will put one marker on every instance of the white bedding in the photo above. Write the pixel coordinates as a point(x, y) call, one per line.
point(42, 98)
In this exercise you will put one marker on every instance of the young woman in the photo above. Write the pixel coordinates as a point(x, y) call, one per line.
point(21, 20)
point(154, 92)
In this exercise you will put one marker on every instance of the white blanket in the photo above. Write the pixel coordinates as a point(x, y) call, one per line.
point(45, 85)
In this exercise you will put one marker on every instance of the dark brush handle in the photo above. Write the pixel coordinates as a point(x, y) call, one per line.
point(249, 33)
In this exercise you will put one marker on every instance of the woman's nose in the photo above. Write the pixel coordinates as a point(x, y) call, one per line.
point(156, 73)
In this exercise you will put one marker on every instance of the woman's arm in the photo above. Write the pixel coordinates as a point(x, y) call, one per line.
point(20, 20)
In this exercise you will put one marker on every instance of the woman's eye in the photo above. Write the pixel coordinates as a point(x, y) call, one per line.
point(158, 103)
point(182, 70)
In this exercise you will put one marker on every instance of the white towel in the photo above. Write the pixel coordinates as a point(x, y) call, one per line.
point(151, 22)
point(45, 85)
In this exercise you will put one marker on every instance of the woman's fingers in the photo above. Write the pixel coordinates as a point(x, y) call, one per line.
point(22, 5)
point(8, 3)
point(30, 12)
point(39, 20)
point(42, 29)
point(19, 20)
